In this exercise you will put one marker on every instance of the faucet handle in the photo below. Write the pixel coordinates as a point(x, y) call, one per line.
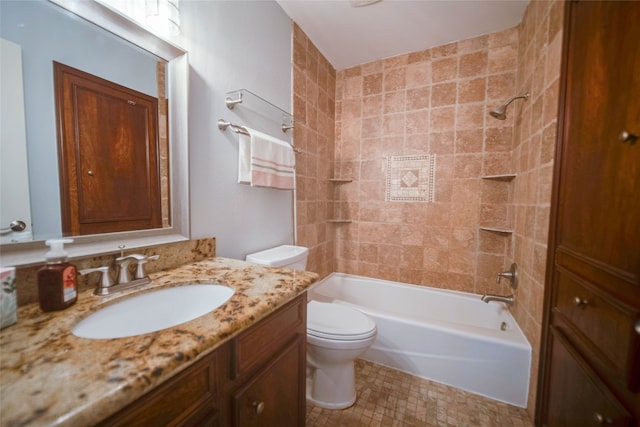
point(105, 279)
point(140, 273)
point(511, 274)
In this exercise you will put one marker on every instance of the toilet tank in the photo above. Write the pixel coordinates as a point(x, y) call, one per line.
point(288, 256)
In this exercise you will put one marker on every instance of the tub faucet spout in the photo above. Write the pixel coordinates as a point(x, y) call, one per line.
point(507, 299)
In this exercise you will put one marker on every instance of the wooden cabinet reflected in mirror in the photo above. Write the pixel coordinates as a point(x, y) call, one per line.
point(113, 176)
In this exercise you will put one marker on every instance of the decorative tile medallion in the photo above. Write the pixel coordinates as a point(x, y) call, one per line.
point(410, 178)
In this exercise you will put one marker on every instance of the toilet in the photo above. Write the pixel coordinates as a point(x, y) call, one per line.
point(336, 336)
point(288, 256)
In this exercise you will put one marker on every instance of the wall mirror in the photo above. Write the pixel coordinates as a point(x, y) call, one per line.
point(95, 39)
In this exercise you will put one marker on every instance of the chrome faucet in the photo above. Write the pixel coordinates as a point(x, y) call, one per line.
point(124, 276)
point(512, 275)
point(509, 300)
point(107, 287)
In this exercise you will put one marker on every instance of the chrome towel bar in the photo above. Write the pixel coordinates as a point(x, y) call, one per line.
point(223, 125)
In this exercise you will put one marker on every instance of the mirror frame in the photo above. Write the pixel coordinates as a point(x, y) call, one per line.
point(30, 253)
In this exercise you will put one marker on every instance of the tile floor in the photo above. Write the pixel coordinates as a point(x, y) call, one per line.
point(389, 398)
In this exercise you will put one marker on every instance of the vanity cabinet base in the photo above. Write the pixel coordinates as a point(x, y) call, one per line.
point(256, 379)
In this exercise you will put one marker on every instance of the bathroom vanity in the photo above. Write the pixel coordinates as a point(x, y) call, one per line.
point(255, 379)
point(242, 364)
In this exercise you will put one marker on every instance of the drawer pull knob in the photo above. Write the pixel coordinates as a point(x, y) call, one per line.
point(259, 407)
point(579, 302)
point(627, 137)
point(601, 419)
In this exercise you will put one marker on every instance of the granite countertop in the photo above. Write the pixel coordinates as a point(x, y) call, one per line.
point(49, 377)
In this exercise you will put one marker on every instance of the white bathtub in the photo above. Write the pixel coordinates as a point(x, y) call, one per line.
point(445, 336)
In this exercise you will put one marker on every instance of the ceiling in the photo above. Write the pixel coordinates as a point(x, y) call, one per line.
point(349, 36)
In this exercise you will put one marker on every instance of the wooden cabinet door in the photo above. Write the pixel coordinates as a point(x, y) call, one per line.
point(593, 269)
point(108, 155)
point(577, 397)
point(599, 200)
point(273, 396)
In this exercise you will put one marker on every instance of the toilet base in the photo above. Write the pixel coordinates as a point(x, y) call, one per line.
point(332, 388)
point(330, 405)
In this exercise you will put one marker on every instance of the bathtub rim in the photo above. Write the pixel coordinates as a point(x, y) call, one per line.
point(513, 337)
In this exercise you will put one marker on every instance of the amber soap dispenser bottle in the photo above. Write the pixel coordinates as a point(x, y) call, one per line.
point(57, 286)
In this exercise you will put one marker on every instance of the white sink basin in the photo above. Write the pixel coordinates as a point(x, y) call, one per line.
point(152, 311)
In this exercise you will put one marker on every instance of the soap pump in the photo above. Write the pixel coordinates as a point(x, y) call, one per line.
point(57, 280)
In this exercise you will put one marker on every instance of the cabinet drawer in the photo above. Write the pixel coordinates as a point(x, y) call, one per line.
point(605, 325)
point(260, 342)
point(186, 399)
point(576, 396)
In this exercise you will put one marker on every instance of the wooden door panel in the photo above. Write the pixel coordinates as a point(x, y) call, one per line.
point(596, 210)
point(108, 155)
point(107, 167)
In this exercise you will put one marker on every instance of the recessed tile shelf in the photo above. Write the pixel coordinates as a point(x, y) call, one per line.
point(501, 177)
point(340, 181)
point(497, 230)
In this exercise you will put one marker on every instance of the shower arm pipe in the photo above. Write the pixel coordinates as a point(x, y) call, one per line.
point(524, 96)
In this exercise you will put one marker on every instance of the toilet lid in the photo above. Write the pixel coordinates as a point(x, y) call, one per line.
point(334, 321)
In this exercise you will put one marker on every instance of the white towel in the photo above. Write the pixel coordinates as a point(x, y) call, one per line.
point(265, 161)
point(244, 159)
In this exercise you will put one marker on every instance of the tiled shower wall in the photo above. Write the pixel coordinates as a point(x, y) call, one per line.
point(539, 57)
point(314, 82)
point(434, 101)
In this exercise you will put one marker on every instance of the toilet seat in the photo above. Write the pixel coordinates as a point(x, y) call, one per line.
point(337, 322)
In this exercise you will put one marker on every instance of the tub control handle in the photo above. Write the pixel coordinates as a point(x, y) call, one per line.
point(579, 302)
point(259, 407)
point(511, 274)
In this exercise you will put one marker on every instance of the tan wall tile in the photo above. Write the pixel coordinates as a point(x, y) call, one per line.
point(469, 141)
point(372, 84)
point(444, 69)
point(502, 58)
point(473, 90)
point(442, 119)
point(443, 94)
point(501, 87)
point(473, 64)
point(418, 99)
point(394, 79)
point(418, 74)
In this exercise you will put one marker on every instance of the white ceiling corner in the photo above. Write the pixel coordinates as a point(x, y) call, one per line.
point(348, 36)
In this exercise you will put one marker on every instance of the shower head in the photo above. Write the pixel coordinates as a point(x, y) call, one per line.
point(500, 112)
